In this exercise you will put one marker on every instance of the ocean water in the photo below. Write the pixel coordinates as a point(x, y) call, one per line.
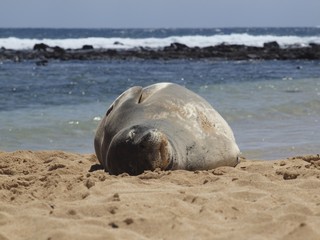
point(273, 107)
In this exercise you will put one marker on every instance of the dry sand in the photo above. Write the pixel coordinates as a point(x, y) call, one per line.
point(60, 195)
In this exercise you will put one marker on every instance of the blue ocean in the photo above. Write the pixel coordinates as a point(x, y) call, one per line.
point(272, 106)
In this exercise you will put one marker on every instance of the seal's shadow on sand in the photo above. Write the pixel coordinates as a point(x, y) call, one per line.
point(96, 167)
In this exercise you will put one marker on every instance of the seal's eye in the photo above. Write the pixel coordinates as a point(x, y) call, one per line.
point(109, 110)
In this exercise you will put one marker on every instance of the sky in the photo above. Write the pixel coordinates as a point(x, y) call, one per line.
point(159, 13)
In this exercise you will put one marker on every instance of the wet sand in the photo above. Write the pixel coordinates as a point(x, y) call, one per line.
point(62, 195)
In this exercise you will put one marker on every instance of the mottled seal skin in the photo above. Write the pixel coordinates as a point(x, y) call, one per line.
point(163, 126)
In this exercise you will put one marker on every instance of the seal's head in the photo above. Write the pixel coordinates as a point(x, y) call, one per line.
point(138, 148)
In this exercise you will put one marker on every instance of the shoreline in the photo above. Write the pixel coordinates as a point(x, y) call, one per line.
point(270, 51)
point(63, 195)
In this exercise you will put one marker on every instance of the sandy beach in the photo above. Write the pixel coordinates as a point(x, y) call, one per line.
point(62, 195)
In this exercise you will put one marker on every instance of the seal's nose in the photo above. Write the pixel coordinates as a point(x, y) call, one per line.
point(138, 149)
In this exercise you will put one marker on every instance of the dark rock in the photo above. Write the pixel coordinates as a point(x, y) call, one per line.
point(271, 45)
point(315, 46)
point(118, 43)
point(40, 47)
point(87, 47)
point(210, 49)
point(58, 49)
point(230, 48)
point(176, 47)
point(111, 52)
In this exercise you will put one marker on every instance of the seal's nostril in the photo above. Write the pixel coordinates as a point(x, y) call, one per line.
point(131, 134)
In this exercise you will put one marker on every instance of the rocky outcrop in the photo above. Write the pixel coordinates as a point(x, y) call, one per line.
point(269, 51)
point(40, 47)
point(87, 47)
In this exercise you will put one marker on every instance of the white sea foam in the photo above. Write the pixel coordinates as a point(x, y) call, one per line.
point(128, 43)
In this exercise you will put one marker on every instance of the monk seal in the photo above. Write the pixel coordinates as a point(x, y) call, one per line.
point(163, 126)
